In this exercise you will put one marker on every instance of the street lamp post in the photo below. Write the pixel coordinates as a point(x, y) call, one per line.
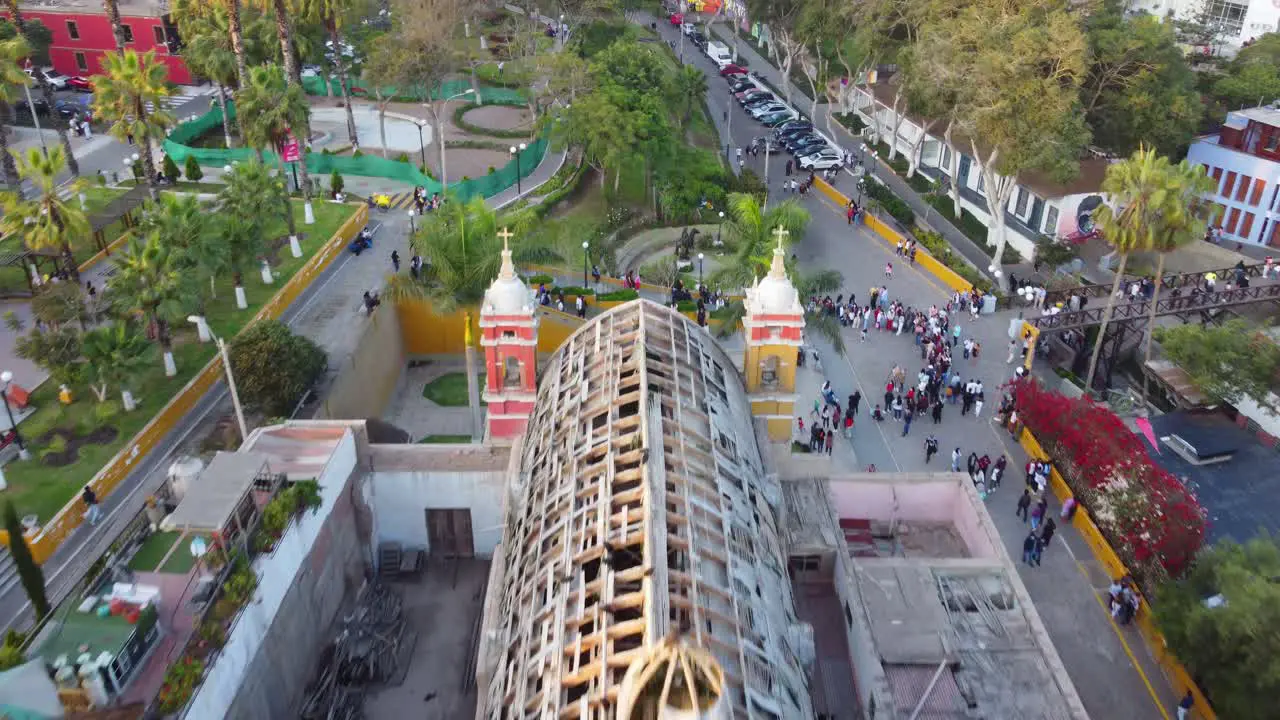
point(719, 225)
point(700, 269)
point(516, 151)
point(6, 379)
point(585, 246)
point(444, 165)
point(413, 227)
point(421, 143)
point(231, 379)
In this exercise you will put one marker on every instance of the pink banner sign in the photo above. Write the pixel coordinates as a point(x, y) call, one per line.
point(290, 151)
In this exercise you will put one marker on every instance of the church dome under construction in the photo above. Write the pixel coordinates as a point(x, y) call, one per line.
point(640, 572)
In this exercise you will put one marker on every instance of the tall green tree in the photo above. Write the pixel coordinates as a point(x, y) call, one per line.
point(273, 109)
point(333, 16)
point(47, 222)
point(1139, 89)
point(274, 367)
point(117, 27)
point(1023, 63)
point(12, 80)
point(1228, 362)
point(115, 355)
point(1182, 223)
point(1227, 644)
point(203, 16)
point(1139, 192)
point(148, 281)
point(211, 53)
point(689, 88)
point(129, 84)
point(249, 198)
point(29, 572)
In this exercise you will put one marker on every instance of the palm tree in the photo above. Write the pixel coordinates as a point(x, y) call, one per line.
point(461, 254)
point(1139, 188)
point(272, 108)
point(114, 354)
point(148, 280)
point(1181, 222)
point(117, 27)
point(48, 222)
point(218, 13)
point(331, 14)
point(59, 123)
point(211, 53)
point(177, 218)
point(689, 87)
point(11, 80)
point(749, 231)
point(129, 83)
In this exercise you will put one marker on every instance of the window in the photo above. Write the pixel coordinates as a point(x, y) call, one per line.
point(1229, 16)
point(1021, 207)
point(1258, 186)
point(1232, 219)
point(982, 182)
point(158, 32)
point(1273, 140)
point(73, 30)
point(81, 64)
point(1051, 221)
point(511, 372)
point(1246, 225)
point(1242, 187)
point(128, 33)
point(1228, 184)
point(945, 162)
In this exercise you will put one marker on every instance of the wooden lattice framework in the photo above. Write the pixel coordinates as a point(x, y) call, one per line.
point(640, 510)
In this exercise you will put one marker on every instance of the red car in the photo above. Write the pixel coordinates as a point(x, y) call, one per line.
point(80, 84)
point(677, 19)
point(732, 69)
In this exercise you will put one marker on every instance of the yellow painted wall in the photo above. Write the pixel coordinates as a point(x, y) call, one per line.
point(53, 533)
point(779, 429)
point(427, 332)
point(755, 357)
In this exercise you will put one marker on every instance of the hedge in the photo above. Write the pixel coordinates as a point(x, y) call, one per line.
point(619, 296)
point(891, 203)
point(570, 290)
point(941, 251)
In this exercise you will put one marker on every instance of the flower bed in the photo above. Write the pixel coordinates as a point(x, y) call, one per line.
point(1153, 522)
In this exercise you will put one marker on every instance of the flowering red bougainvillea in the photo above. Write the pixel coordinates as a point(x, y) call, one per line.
point(1152, 521)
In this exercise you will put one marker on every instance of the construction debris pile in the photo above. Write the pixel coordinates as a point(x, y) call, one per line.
point(372, 651)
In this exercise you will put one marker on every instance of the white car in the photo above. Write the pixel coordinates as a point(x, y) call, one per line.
point(767, 109)
point(55, 79)
point(688, 28)
point(822, 160)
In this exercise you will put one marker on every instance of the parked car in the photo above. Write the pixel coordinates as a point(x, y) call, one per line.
point(41, 106)
point(752, 94)
point(795, 126)
point(80, 84)
point(813, 145)
point(699, 40)
point(677, 19)
point(799, 139)
point(822, 160)
point(733, 69)
point(777, 118)
point(738, 83)
point(51, 76)
point(688, 28)
point(758, 100)
point(73, 108)
point(767, 109)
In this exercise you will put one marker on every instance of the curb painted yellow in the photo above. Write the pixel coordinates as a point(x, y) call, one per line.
point(112, 246)
point(1106, 556)
point(926, 261)
point(53, 533)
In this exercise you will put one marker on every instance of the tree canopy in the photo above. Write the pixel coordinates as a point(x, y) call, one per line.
point(1227, 362)
point(1219, 620)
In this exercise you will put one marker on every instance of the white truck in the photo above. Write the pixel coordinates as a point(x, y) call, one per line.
point(719, 53)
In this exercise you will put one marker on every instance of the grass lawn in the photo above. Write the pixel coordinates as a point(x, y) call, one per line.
point(450, 390)
point(211, 188)
point(181, 561)
point(444, 439)
point(35, 487)
point(153, 550)
point(96, 198)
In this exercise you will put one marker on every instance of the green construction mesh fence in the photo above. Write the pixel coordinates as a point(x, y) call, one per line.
point(177, 147)
point(488, 95)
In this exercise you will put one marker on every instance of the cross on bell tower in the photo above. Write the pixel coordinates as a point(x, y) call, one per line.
point(509, 336)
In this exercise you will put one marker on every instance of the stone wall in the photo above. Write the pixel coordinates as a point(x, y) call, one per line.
point(366, 378)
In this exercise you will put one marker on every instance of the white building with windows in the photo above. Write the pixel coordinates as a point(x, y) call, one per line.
point(1240, 20)
point(1243, 158)
point(1039, 205)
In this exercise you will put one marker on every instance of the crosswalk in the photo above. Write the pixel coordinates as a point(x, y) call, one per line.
point(401, 201)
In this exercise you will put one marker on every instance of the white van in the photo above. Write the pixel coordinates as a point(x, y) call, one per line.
point(719, 53)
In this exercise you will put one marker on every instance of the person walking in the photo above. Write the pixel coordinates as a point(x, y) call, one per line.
point(849, 212)
point(1037, 551)
point(1024, 502)
point(855, 400)
point(930, 448)
point(581, 306)
point(1029, 547)
point(1185, 704)
point(1013, 350)
point(906, 422)
point(395, 260)
point(955, 462)
point(830, 440)
point(977, 404)
point(937, 411)
point(1047, 530)
point(93, 513)
point(789, 166)
point(1037, 513)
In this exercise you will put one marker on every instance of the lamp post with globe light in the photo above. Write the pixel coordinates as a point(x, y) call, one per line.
point(516, 152)
point(413, 227)
point(700, 256)
point(585, 254)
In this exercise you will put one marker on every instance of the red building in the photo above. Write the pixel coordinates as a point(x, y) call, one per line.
point(82, 34)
